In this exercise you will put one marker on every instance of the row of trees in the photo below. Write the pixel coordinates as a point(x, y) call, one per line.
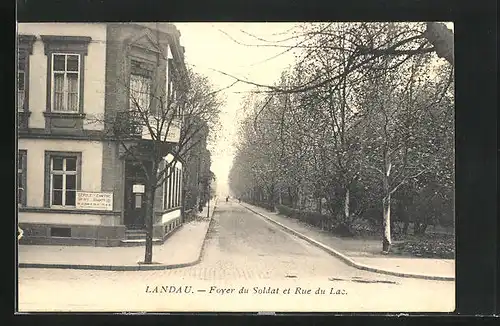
point(362, 124)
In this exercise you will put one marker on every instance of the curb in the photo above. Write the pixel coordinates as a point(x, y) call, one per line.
point(348, 260)
point(123, 268)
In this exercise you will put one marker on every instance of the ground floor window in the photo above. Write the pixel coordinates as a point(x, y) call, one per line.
point(62, 178)
point(172, 188)
point(21, 177)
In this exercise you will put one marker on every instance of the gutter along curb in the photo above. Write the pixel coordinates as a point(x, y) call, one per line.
point(347, 260)
point(138, 267)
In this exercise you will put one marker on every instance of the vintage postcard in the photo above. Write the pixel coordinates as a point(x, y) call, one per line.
point(236, 167)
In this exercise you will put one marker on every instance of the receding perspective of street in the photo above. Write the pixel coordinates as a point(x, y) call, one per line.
point(235, 167)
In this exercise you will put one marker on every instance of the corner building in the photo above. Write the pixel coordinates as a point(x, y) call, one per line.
point(74, 185)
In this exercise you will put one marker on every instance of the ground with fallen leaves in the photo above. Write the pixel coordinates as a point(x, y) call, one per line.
point(431, 245)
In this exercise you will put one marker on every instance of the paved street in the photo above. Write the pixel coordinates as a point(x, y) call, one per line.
point(242, 250)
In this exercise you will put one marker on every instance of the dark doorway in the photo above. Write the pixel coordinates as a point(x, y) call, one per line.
point(134, 216)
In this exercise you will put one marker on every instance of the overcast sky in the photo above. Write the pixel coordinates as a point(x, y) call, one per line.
point(215, 46)
point(212, 46)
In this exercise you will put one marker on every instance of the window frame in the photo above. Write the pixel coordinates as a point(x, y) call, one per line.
point(171, 188)
point(65, 91)
point(166, 190)
point(24, 49)
point(172, 192)
point(48, 182)
point(172, 95)
point(145, 69)
point(181, 177)
point(178, 186)
point(21, 108)
point(23, 169)
point(70, 45)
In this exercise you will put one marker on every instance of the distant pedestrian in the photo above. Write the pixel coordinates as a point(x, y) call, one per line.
point(239, 200)
point(227, 199)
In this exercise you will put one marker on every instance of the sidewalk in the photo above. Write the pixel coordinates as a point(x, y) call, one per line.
point(183, 248)
point(363, 254)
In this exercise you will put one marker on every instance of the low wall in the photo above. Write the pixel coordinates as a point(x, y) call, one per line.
point(71, 234)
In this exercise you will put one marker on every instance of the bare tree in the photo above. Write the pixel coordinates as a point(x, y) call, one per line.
point(361, 98)
point(398, 143)
point(366, 44)
point(161, 120)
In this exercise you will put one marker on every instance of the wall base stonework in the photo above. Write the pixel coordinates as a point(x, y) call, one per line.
point(79, 235)
point(88, 235)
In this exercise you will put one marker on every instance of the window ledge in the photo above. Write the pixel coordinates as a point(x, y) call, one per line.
point(23, 119)
point(24, 113)
point(62, 210)
point(168, 210)
point(70, 115)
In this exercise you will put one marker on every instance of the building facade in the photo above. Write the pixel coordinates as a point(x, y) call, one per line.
point(75, 184)
point(196, 170)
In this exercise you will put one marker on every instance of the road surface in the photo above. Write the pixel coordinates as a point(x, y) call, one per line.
point(280, 271)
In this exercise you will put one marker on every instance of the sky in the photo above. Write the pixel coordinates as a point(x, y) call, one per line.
point(238, 49)
point(214, 46)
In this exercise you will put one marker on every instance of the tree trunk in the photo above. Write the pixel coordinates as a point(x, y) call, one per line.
point(149, 212)
point(406, 224)
point(386, 241)
point(299, 198)
point(346, 207)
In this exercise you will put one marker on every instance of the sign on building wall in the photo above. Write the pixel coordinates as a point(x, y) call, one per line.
point(94, 200)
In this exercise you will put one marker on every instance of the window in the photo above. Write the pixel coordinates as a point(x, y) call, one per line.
point(21, 178)
point(172, 188)
point(60, 232)
point(177, 178)
point(66, 82)
point(63, 181)
point(25, 49)
point(65, 78)
point(166, 190)
point(180, 188)
point(178, 192)
point(140, 86)
point(63, 178)
point(171, 90)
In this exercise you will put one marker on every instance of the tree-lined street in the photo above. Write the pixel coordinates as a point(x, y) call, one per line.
point(331, 172)
point(242, 248)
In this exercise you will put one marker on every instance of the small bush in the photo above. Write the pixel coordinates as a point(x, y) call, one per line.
point(343, 230)
point(312, 218)
point(427, 246)
point(266, 206)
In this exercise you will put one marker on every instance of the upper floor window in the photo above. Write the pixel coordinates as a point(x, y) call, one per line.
point(140, 86)
point(21, 90)
point(65, 82)
point(25, 49)
point(172, 96)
